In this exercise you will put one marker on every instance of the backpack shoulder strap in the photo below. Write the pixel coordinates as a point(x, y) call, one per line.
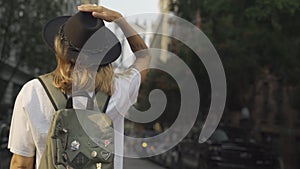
point(102, 101)
point(56, 97)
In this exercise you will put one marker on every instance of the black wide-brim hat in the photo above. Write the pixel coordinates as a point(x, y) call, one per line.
point(84, 34)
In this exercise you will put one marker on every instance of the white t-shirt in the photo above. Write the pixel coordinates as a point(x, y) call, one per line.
point(33, 113)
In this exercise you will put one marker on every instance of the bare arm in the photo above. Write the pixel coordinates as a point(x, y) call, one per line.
point(21, 162)
point(136, 43)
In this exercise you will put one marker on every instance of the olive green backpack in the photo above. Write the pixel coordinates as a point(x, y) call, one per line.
point(77, 139)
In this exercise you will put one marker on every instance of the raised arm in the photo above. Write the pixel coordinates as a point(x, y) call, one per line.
point(136, 43)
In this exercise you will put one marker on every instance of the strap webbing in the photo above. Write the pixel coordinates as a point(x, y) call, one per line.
point(56, 97)
point(102, 100)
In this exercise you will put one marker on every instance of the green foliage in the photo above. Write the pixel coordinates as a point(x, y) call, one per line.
point(249, 35)
point(21, 25)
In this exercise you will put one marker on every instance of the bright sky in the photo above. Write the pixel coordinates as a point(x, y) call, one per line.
point(131, 7)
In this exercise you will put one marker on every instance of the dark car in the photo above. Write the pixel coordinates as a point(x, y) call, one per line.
point(227, 148)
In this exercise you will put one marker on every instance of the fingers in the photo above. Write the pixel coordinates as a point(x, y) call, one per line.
point(100, 12)
point(90, 8)
point(99, 15)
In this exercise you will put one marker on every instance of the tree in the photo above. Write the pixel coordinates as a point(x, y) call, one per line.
point(21, 25)
point(21, 43)
point(250, 36)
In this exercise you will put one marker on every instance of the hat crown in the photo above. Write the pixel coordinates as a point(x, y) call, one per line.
point(80, 27)
point(86, 34)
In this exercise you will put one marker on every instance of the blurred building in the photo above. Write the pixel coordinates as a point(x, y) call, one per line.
point(168, 27)
point(267, 111)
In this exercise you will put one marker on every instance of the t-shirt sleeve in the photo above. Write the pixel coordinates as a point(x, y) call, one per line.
point(134, 85)
point(131, 81)
point(20, 136)
point(127, 85)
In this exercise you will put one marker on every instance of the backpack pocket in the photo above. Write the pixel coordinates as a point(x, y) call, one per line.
point(83, 138)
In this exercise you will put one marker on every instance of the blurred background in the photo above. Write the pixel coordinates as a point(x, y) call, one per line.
point(258, 42)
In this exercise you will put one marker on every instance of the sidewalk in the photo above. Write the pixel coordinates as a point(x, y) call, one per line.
point(135, 163)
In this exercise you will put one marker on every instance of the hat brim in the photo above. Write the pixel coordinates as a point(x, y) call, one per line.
point(51, 30)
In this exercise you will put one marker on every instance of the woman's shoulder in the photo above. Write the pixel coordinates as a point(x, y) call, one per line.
point(126, 87)
point(127, 81)
point(128, 74)
point(32, 87)
point(32, 84)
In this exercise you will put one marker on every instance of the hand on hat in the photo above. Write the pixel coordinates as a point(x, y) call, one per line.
point(100, 12)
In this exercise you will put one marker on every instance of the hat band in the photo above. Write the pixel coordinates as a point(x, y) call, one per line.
point(65, 39)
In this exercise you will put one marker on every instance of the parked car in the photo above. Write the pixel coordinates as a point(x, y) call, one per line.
point(227, 148)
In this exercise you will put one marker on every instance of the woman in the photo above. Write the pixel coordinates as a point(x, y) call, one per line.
point(33, 110)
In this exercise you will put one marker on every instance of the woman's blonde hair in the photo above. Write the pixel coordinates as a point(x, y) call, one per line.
point(64, 76)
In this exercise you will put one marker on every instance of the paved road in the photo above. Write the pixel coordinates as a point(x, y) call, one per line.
point(133, 163)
